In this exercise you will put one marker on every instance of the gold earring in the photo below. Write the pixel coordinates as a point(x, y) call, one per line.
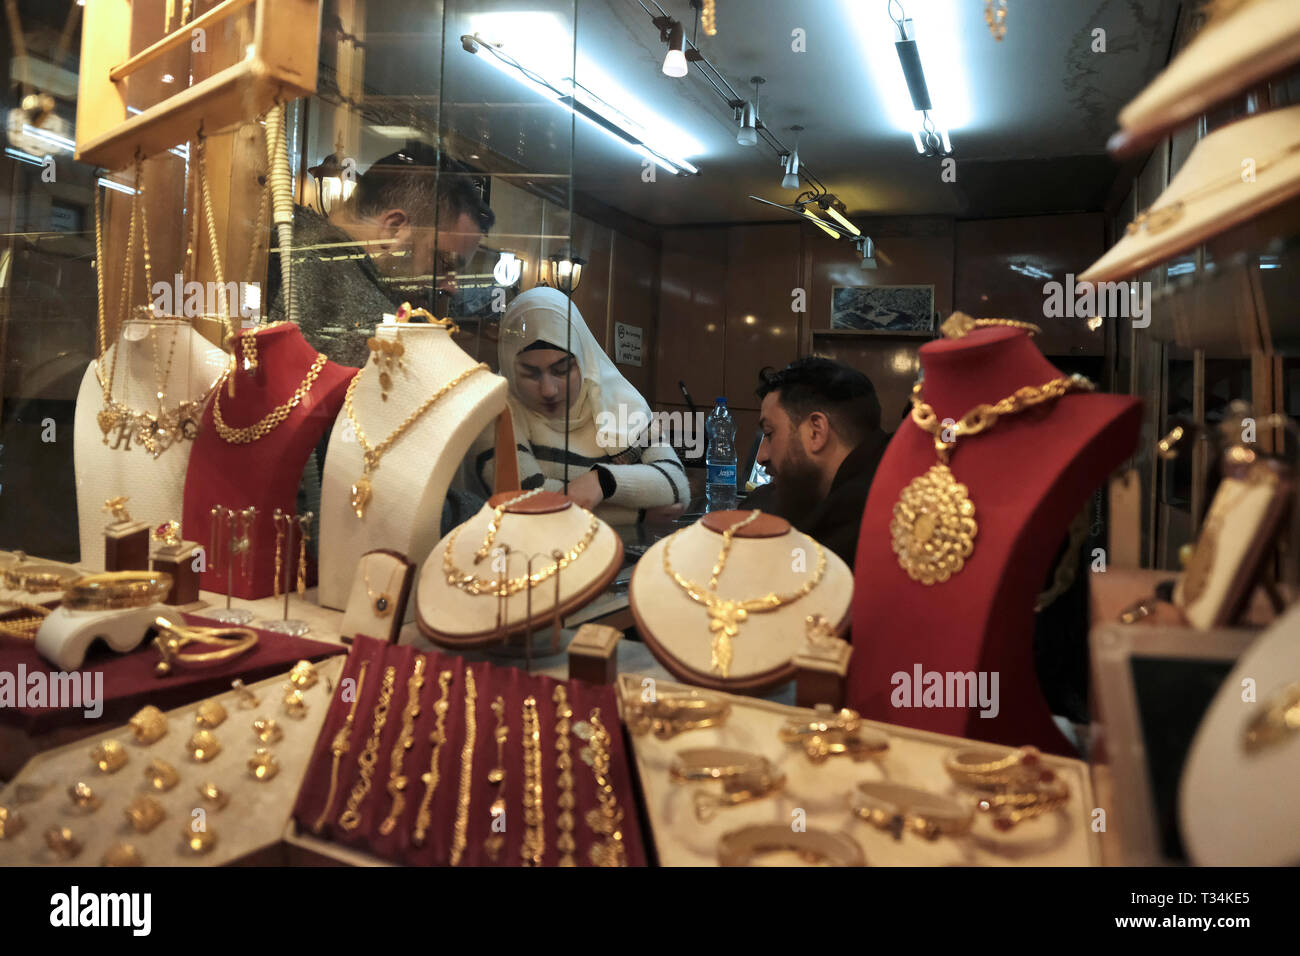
point(279, 545)
point(203, 746)
point(210, 715)
point(83, 797)
point(161, 775)
point(109, 757)
point(267, 730)
point(263, 765)
point(144, 813)
point(304, 522)
point(149, 725)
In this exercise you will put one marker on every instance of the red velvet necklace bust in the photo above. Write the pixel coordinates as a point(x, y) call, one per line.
point(263, 473)
point(1027, 476)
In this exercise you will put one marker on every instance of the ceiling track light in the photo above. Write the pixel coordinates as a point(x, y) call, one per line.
point(675, 60)
point(791, 163)
point(867, 249)
point(747, 114)
point(930, 139)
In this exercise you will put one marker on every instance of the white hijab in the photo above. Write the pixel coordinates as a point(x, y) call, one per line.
point(548, 315)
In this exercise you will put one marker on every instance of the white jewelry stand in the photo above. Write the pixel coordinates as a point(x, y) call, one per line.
point(1237, 808)
point(391, 579)
point(676, 628)
point(450, 616)
point(155, 486)
point(408, 488)
point(66, 635)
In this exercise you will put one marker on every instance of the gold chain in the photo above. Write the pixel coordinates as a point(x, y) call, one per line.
point(604, 820)
point(726, 616)
point(342, 743)
point(273, 418)
point(494, 525)
point(24, 628)
point(438, 737)
point(727, 537)
point(933, 525)
point(370, 456)
point(534, 846)
point(565, 802)
point(351, 817)
point(471, 584)
point(460, 834)
point(959, 325)
point(396, 778)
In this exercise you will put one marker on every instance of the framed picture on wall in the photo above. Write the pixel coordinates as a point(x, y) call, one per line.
point(883, 309)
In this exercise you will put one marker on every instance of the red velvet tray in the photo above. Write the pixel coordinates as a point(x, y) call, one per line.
point(514, 685)
point(130, 683)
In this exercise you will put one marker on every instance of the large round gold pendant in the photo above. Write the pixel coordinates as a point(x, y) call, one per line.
point(933, 526)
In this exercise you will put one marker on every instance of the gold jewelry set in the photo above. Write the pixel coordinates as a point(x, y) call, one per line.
point(385, 355)
point(727, 614)
point(933, 526)
point(272, 419)
point(372, 455)
point(144, 813)
point(1011, 786)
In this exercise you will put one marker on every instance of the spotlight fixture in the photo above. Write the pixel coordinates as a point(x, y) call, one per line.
point(331, 185)
point(748, 116)
point(867, 249)
point(791, 163)
point(675, 61)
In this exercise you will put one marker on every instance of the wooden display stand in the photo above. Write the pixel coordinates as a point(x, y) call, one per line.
point(820, 673)
point(278, 66)
point(126, 546)
point(593, 654)
point(179, 563)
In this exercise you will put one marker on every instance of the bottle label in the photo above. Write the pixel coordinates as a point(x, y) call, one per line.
point(722, 474)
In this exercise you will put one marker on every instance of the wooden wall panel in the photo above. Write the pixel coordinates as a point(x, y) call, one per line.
point(762, 330)
point(692, 316)
point(634, 300)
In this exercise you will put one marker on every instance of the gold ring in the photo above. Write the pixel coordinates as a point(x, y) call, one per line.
point(247, 700)
point(897, 808)
point(122, 854)
point(83, 797)
point(161, 775)
point(169, 533)
point(203, 746)
point(144, 813)
point(829, 734)
point(149, 725)
point(115, 590)
point(263, 765)
point(62, 842)
point(294, 704)
point(209, 792)
point(981, 768)
point(741, 847)
point(267, 730)
point(109, 756)
point(11, 823)
point(303, 676)
point(197, 844)
point(210, 715)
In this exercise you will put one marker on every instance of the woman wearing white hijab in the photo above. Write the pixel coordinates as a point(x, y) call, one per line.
point(548, 355)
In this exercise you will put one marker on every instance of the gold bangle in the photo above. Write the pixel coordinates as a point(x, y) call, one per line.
point(173, 637)
point(533, 848)
point(350, 819)
point(828, 734)
point(605, 820)
point(405, 740)
point(437, 737)
point(459, 835)
point(981, 768)
point(115, 590)
point(1014, 807)
point(149, 725)
point(673, 714)
point(897, 808)
point(33, 581)
point(704, 764)
point(566, 801)
point(741, 847)
point(342, 743)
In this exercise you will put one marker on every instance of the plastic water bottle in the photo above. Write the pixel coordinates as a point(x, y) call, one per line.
point(720, 458)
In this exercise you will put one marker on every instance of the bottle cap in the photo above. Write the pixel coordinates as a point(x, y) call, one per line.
point(722, 399)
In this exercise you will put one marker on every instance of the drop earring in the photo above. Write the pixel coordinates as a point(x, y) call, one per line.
point(304, 522)
point(279, 546)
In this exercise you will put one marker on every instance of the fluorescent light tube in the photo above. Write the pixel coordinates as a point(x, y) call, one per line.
point(835, 214)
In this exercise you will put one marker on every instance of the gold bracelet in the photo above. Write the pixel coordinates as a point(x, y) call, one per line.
point(980, 768)
point(115, 590)
point(534, 845)
point(497, 778)
point(341, 745)
point(397, 759)
point(673, 714)
point(34, 582)
point(438, 737)
point(897, 809)
point(1014, 807)
point(564, 779)
point(350, 819)
point(745, 777)
point(741, 847)
point(604, 820)
point(460, 833)
point(173, 637)
point(828, 734)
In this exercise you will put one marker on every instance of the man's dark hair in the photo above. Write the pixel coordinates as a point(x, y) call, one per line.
point(815, 384)
point(405, 180)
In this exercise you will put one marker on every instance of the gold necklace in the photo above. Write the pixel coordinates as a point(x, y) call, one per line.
point(494, 525)
point(272, 419)
point(460, 832)
point(350, 819)
point(726, 616)
point(959, 325)
point(934, 527)
point(341, 745)
point(470, 584)
point(370, 456)
point(1197, 573)
point(383, 605)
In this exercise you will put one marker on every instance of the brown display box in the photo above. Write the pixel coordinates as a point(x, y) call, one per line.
point(185, 580)
point(126, 547)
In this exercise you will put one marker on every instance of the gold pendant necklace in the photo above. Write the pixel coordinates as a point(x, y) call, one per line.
point(1197, 573)
point(470, 584)
point(382, 604)
point(726, 615)
point(361, 491)
point(933, 526)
